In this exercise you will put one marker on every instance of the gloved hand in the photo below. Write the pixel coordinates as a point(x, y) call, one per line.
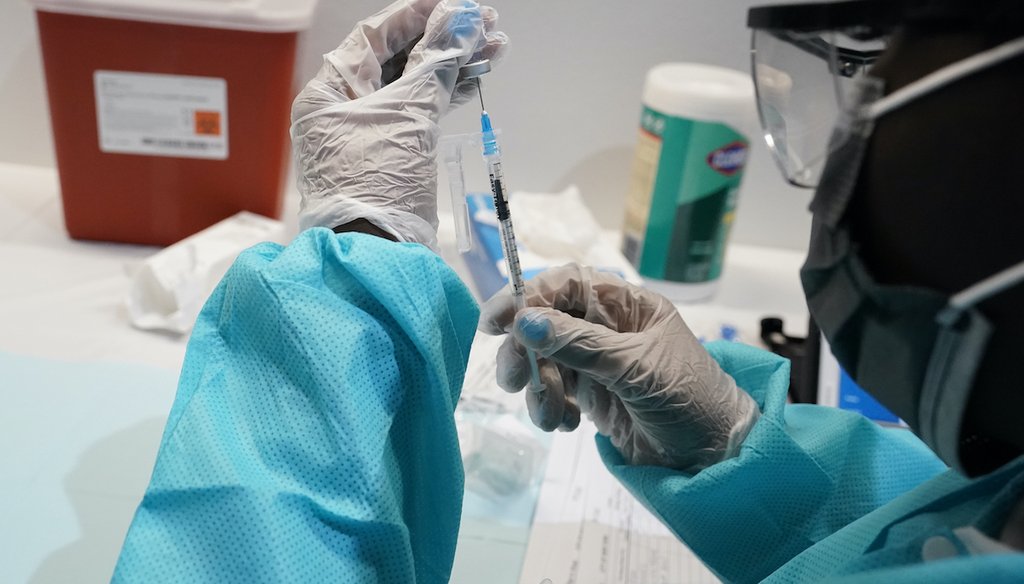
point(625, 356)
point(367, 152)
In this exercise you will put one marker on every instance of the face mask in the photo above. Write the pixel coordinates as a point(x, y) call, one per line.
point(915, 349)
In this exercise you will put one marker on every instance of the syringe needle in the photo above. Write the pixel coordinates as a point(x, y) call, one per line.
point(480, 92)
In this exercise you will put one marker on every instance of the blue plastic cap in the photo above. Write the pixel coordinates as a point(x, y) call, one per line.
point(490, 141)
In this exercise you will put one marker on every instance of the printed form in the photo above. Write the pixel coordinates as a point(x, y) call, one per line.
point(588, 529)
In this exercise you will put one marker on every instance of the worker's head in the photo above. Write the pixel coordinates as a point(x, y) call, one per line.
point(919, 198)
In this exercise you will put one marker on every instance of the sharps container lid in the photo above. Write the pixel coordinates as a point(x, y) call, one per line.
point(251, 15)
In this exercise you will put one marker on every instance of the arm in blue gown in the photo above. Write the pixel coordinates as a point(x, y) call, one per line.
point(803, 473)
point(312, 435)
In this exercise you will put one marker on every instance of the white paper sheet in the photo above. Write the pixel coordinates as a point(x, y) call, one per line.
point(589, 529)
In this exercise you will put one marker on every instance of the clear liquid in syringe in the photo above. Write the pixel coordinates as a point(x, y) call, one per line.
point(508, 238)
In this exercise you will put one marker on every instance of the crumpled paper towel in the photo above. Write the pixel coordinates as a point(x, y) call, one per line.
point(169, 289)
point(558, 228)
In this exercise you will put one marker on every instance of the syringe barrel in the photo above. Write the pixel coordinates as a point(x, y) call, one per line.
point(519, 299)
point(492, 155)
point(499, 189)
point(509, 248)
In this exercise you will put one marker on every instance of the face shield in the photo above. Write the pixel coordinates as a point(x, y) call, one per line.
point(909, 338)
point(805, 61)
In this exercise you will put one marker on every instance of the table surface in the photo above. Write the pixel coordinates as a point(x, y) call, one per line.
point(71, 476)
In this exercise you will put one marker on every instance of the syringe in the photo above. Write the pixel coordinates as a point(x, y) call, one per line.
point(492, 154)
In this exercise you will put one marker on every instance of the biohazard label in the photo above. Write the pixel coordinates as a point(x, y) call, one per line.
point(162, 115)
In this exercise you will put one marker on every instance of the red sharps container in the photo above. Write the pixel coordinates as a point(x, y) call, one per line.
point(171, 115)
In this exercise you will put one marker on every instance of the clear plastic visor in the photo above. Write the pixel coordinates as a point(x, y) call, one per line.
point(803, 80)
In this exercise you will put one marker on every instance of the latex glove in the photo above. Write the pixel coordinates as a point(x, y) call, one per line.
point(625, 356)
point(367, 152)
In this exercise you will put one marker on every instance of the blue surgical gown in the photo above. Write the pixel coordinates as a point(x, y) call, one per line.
point(312, 439)
point(823, 495)
point(312, 436)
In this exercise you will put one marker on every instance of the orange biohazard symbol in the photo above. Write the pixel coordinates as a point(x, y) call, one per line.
point(207, 123)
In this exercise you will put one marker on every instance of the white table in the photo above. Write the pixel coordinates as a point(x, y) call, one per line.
point(73, 467)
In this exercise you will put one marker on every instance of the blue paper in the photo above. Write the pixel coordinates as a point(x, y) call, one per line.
point(77, 444)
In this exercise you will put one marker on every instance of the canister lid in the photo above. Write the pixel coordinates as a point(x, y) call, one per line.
point(697, 91)
point(253, 15)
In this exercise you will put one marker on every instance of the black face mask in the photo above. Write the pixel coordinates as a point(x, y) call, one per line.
point(916, 349)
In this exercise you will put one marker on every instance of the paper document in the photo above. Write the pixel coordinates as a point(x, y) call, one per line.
point(589, 529)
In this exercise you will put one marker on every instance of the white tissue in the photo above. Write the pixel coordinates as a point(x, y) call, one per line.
point(169, 290)
point(559, 228)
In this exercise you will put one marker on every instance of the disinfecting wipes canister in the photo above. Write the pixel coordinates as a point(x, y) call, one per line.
point(686, 176)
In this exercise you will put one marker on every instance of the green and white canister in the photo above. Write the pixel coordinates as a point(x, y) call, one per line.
point(686, 176)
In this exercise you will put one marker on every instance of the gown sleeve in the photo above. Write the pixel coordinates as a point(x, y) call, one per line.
point(312, 435)
point(803, 472)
